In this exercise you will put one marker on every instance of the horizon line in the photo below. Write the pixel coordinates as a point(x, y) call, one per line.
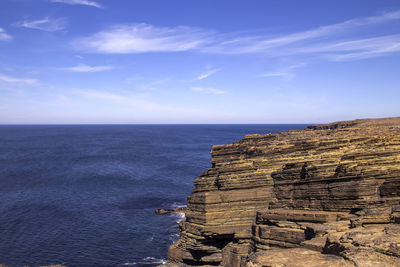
point(61, 124)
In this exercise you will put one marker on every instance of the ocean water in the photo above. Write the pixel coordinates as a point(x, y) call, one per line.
point(85, 195)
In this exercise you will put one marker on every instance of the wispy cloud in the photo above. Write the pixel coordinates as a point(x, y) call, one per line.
point(154, 84)
point(142, 38)
point(46, 24)
point(134, 78)
point(286, 72)
point(136, 101)
point(79, 2)
point(10, 79)
point(356, 49)
point(86, 68)
point(104, 95)
point(147, 85)
point(263, 44)
point(209, 90)
point(207, 74)
point(4, 36)
point(321, 41)
point(275, 74)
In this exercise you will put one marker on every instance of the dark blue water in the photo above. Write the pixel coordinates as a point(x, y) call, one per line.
point(85, 195)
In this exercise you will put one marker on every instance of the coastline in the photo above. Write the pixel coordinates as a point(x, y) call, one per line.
point(330, 193)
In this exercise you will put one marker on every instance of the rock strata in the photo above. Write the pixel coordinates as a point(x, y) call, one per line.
point(328, 195)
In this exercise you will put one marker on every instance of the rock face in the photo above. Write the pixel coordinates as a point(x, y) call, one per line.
point(328, 195)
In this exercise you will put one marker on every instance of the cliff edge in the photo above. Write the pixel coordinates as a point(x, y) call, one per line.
point(328, 195)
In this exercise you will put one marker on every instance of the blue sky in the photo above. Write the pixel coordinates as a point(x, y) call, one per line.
point(208, 61)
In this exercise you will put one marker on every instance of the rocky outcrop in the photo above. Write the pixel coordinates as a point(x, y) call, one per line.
point(328, 195)
point(167, 211)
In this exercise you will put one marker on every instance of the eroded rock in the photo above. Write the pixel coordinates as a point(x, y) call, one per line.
point(289, 196)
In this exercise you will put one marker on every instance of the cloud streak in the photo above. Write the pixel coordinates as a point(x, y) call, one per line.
point(286, 72)
point(46, 24)
point(79, 2)
point(4, 36)
point(9, 79)
point(208, 90)
point(207, 74)
point(357, 49)
point(261, 44)
point(87, 68)
point(145, 38)
point(275, 74)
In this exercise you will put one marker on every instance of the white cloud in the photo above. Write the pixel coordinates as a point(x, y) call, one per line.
point(153, 85)
point(207, 74)
point(86, 68)
point(9, 79)
point(275, 74)
point(357, 49)
point(286, 72)
point(142, 38)
point(46, 24)
point(319, 41)
point(79, 2)
point(4, 36)
point(262, 44)
point(134, 78)
point(208, 90)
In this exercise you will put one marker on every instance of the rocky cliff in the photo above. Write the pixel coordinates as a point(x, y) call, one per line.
point(328, 195)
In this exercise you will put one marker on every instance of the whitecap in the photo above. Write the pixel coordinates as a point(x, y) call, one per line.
point(145, 261)
point(174, 237)
point(180, 217)
point(176, 205)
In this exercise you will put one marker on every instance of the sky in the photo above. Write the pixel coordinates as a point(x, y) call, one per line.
point(198, 61)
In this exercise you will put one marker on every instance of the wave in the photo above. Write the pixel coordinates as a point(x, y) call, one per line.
point(180, 217)
point(176, 205)
point(146, 202)
point(148, 261)
point(174, 237)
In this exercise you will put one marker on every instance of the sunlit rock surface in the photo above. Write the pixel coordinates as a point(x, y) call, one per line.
point(325, 196)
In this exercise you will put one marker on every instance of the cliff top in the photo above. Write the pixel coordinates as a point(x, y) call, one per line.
point(321, 132)
point(360, 123)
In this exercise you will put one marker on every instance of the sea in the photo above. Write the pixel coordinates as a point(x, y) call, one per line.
point(85, 195)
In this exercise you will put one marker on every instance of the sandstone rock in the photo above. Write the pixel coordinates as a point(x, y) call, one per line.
point(297, 257)
point(367, 258)
point(316, 244)
point(277, 193)
point(166, 211)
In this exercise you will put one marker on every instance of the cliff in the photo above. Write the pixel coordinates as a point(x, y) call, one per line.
point(328, 195)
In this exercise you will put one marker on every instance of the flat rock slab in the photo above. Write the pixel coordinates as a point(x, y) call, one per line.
point(300, 215)
point(296, 257)
point(316, 244)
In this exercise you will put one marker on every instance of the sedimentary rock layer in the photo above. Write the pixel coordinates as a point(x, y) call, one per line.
point(292, 191)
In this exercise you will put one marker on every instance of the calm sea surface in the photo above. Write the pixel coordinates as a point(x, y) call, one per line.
point(85, 195)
